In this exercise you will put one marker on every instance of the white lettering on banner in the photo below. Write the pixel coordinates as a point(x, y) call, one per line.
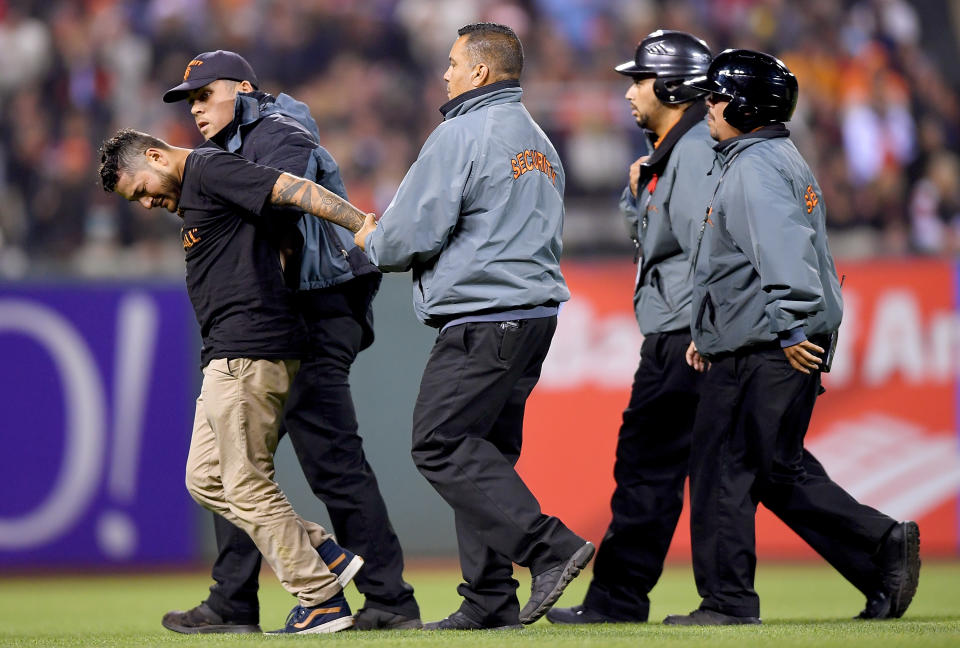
point(945, 346)
point(895, 343)
point(603, 351)
point(890, 464)
point(80, 471)
point(137, 324)
point(898, 342)
point(590, 349)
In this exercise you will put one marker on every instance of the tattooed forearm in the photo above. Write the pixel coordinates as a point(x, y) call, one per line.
point(291, 191)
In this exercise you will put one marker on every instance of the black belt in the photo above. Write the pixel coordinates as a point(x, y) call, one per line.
point(441, 321)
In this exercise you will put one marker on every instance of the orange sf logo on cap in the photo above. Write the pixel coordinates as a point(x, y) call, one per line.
point(192, 64)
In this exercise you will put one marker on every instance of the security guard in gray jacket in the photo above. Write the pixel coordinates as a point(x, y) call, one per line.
point(662, 204)
point(479, 218)
point(671, 189)
point(766, 308)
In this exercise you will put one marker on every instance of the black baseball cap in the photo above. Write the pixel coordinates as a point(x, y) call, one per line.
point(208, 67)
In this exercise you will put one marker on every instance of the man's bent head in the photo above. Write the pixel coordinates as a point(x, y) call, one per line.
point(138, 167)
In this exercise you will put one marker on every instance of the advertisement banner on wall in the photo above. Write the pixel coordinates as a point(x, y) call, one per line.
point(97, 406)
point(885, 429)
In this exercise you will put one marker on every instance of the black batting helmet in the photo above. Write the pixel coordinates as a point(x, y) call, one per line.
point(760, 88)
point(671, 57)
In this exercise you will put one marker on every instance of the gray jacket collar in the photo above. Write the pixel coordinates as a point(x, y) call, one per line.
point(488, 95)
point(661, 154)
point(730, 147)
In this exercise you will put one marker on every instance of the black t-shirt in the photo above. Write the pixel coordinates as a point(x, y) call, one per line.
point(234, 277)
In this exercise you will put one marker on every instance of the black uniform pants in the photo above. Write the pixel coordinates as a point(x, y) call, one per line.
point(322, 425)
point(653, 452)
point(467, 433)
point(747, 449)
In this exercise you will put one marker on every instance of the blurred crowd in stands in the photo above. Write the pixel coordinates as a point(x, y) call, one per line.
point(878, 119)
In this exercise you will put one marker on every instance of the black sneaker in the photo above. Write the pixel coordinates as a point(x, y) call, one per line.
point(376, 619)
point(460, 621)
point(546, 587)
point(580, 614)
point(701, 617)
point(878, 607)
point(203, 620)
point(343, 563)
point(899, 560)
point(333, 615)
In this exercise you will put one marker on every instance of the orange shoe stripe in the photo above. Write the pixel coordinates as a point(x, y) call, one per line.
point(336, 562)
point(314, 614)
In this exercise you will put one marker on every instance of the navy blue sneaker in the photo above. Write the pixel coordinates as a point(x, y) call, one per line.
point(333, 615)
point(343, 563)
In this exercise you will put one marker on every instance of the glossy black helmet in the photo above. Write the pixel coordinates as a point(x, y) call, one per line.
point(671, 57)
point(760, 88)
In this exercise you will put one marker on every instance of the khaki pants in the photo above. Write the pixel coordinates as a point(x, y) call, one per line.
point(230, 470)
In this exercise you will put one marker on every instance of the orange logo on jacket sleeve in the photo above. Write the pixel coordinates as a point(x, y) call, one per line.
point(192, 64)
point(811, 198)
point(530, 160)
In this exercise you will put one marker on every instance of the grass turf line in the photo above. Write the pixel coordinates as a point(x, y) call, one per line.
point(803, 606)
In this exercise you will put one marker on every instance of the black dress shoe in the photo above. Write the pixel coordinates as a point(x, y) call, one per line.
point(878, 607)
point(701, 617)
point(899, 559)
point(546, 587)
point(580, 614)
point(203, 620)
point(460, 621)
point(377, 619)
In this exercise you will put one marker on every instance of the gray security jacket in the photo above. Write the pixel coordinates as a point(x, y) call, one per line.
point(763, 270)
point(479, 215)
point(664, 219)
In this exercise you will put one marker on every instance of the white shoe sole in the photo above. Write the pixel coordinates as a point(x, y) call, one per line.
point(330, 627)
point(350, 571)
point(327, 628)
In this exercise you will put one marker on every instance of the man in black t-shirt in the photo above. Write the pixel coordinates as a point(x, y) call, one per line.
point(335, 286)
point(252, 344)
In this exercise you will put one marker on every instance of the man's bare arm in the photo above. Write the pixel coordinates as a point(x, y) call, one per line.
point(291, 191)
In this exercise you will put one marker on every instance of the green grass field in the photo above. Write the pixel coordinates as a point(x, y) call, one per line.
point(803, 605)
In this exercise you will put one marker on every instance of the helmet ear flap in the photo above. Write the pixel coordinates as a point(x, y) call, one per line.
point(739, 115)
point(673, 91)
point(660, 90)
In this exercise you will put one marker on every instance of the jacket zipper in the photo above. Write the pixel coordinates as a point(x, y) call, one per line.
point(706, 215)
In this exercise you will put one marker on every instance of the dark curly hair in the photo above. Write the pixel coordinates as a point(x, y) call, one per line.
point(124, 152)
point(495, 45)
